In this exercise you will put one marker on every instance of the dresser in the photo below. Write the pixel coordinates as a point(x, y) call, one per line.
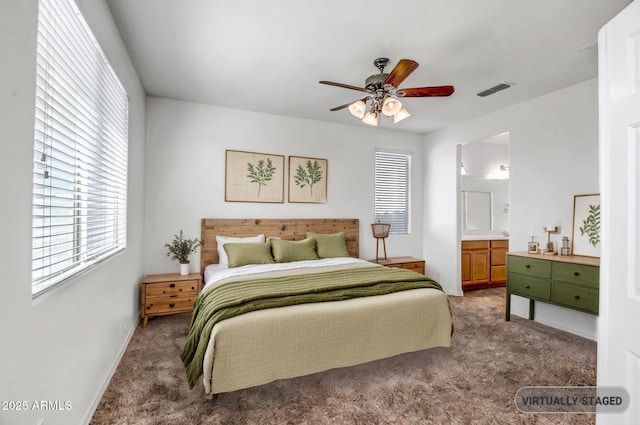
point(164, 294)
point(409, 263)
point(483, 264)
point(567, 281)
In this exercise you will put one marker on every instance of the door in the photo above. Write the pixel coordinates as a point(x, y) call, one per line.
point(465, 258)
point(480, 267)
point(619, 86)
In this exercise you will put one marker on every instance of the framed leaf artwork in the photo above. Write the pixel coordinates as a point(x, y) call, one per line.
point(307, 180)
point(586, 225)
point(253, 177)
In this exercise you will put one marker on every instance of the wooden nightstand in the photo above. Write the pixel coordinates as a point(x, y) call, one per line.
point(164, 294)
point(409, 263)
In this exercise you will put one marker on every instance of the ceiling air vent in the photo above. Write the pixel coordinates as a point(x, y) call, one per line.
point(495, 89)
point(590, 48)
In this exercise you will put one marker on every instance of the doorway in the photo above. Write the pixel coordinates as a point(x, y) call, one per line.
point(484, 212)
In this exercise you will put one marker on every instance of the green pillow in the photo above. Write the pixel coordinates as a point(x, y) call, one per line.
point(287, 251)
point(242, 254)
point(330, 245)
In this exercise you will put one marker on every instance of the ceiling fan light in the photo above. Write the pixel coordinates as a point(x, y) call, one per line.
point(357, 108)
point(400, 115)
point(391, 106)
point(371, 118)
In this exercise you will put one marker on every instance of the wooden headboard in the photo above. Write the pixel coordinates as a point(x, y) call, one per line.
point(293, 229)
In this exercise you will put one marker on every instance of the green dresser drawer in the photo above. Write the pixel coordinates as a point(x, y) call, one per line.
point(529, 287)
point(577, 273)
point(577, 297)
point(529, 266)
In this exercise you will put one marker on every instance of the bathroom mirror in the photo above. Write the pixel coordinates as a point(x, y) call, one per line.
point(477, 210)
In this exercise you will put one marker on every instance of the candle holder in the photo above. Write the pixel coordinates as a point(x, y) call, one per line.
point(565, 250)
point(550, 230)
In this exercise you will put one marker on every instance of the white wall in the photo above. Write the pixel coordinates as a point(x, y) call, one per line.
point(553, 155)
point(63, 345)
point(185, 170)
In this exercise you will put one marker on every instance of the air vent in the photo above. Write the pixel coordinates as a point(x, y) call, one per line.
point(495, 89)
point(590, 48)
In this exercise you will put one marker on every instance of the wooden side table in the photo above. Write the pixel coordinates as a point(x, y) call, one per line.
point(409, 263)
point(165, 294)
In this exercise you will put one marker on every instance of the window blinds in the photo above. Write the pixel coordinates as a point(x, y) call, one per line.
point(393, 190)
point(80, 149)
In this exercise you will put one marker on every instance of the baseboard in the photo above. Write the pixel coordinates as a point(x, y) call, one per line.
point(561, 326)
point(112, 370)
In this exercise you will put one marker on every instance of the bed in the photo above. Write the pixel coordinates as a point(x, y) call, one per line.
point(296, 333)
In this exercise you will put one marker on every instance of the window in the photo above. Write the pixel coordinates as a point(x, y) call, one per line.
point(80, 150)
point(393, 191)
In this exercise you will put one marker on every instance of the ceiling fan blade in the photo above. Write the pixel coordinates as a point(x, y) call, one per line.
point(346, 86)
point(337, 108)
point(436, 91)
point(403, 69)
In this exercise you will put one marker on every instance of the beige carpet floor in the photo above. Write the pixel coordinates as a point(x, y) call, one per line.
point(473, 382)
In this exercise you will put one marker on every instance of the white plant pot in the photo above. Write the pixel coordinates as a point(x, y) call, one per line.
point(184, 269)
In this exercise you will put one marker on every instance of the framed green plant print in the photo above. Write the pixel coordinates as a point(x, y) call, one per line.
point(586, 225)
point(253, 177)
point(307, 180)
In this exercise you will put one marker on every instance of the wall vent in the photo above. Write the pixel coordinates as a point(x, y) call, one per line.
point(495, 89)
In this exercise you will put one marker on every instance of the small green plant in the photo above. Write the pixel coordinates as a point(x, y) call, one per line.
point(309, 176)
point(181, 249)
point(262, 173)
point(591, 225)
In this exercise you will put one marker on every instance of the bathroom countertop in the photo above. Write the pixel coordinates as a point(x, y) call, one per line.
point(484, 238)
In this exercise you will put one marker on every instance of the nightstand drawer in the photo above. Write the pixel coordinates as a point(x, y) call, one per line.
point(166, 305)
point(529, 266)
point(529, 287)
point(577, 273)
point(577, 297)
point(416, 266)
point(163, 289)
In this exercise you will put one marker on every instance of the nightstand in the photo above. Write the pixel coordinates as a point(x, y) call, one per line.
point(409, 263)
point(165, 294)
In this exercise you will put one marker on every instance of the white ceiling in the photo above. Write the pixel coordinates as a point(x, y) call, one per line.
point(268, 56)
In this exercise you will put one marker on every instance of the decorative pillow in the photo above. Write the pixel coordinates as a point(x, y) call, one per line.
point(287, 251)
point(221, 240)
point(241, 254)
point(330, 245)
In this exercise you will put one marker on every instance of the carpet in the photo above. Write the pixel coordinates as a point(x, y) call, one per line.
point(472, 382)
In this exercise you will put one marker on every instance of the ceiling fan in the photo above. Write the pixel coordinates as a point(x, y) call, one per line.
point(383, 92)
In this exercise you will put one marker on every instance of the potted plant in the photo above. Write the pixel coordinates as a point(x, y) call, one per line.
point(181, 249)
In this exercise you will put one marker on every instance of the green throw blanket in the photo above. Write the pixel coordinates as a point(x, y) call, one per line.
point(243, 294)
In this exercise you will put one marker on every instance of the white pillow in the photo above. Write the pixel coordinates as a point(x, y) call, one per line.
point(221, 240)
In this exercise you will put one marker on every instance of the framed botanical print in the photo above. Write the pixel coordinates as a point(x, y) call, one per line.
point(307, 180)
point(253, 177)
point(586, 225)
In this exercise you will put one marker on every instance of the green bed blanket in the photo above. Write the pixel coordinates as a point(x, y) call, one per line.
point(243, 294)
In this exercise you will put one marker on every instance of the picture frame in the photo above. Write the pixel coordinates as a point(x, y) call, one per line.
point(253, 177)
point(586, 225)
point(308, 180)
point(534, 248)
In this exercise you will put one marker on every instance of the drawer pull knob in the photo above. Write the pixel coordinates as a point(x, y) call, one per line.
point(528, 266)
point(527, 287)
point(577, 297)
point(576, 273)
point(172, 305)
point(173, 285)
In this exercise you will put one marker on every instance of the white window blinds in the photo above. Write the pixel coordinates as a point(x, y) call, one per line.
point(80, 149)
point(393, 191)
